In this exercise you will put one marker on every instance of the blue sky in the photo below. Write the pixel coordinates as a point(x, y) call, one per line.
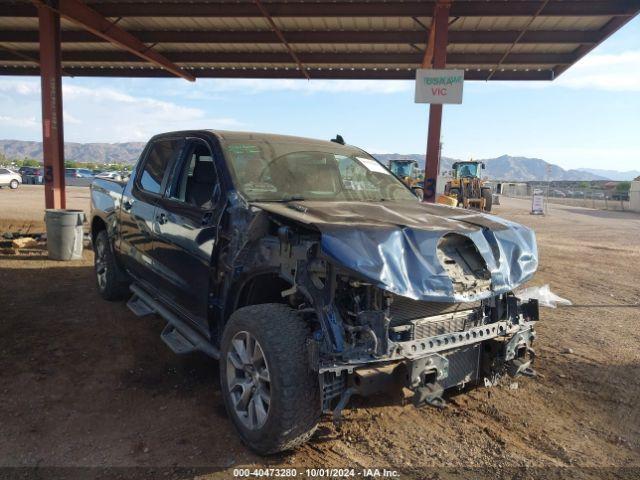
point(589, 117)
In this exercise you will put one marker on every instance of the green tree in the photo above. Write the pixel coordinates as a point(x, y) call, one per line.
point(623, 187)
point(28, 162)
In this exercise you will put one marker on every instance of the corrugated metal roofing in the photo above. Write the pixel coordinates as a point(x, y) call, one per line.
point(343, 39)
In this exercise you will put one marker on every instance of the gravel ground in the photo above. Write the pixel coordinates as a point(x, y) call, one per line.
point(85, 383)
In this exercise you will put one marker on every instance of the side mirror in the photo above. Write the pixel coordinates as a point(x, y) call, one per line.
point(418, 192)
point(483, 166)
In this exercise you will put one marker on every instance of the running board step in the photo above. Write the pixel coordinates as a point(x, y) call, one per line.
point(176, 341)
point(139, 307)
point(178, 335)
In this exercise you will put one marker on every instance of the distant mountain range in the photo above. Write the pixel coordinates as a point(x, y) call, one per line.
point(504, 167)
point(613, 174)
point(507, 167)
point(76, 152)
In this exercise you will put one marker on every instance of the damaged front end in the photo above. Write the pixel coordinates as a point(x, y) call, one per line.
point(401, 296)
point(371, 340)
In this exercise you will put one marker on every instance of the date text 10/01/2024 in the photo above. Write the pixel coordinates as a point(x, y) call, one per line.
point(316, 472)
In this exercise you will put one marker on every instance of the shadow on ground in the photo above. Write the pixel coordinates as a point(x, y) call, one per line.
point(85, 382)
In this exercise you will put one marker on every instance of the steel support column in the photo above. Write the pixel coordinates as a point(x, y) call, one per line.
point(438, 52)
point(52, 135)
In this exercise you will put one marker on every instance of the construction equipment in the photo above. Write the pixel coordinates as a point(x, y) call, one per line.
point(408, 171)
point(467, 186)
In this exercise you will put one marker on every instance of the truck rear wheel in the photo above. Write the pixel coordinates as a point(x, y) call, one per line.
point(108, 275)
point(269, 390)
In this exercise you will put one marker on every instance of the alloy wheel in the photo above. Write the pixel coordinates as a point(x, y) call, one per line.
point(101, 264)
point(248, 380)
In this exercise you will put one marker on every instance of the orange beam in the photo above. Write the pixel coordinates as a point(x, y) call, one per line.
point(427, 60)
point(52, 136)
point(79, 13)
point(438, 39)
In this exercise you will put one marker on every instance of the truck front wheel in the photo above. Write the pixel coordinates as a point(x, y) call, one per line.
point(488, 199)
point(269, 390)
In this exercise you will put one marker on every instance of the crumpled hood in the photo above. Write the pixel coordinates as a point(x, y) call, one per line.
point(394, 244)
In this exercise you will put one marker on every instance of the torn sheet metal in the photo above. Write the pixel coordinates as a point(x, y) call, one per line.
point(394, 244)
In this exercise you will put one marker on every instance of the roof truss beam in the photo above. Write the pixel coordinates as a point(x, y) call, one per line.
point(460, 8)
point(306, 37)
point(412, 58)
point(78, 13)
point(254, 72)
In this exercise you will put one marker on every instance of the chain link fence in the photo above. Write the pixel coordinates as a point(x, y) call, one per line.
point(561, 194)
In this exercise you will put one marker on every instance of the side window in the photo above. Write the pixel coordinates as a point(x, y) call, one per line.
point(3, 171)
point(197, 177)
point(160, 156)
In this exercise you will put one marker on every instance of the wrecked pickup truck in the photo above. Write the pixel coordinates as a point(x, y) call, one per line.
point(313, 274)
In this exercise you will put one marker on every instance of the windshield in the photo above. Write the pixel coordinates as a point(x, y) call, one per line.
point(264, 170)
point(467, 170)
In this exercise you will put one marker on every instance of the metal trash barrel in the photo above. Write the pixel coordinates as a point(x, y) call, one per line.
point(64, 233)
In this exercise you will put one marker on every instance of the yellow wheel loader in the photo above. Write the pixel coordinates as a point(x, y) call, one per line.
point(468, 187)
point(408, 172)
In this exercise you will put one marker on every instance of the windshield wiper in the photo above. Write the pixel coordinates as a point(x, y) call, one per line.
point(290, 198)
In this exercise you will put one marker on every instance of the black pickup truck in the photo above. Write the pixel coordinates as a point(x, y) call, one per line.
point(312, 274)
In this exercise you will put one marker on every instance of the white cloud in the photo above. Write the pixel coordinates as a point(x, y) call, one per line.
point(102, 114)
point(19, 122)
point(68, 118)
point(255, 86)
point(618, 72)
point(20, 87)
point(612, 72)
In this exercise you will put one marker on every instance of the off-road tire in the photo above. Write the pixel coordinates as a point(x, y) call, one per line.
point(114, 287)
point(13, 184)
point(488, 199)
point(455, 192)
point(294, 409)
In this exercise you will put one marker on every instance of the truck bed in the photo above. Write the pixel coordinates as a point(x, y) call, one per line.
point(106, 198)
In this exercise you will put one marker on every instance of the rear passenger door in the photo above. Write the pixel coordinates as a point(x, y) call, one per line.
point(139, 202)
point(187, 218)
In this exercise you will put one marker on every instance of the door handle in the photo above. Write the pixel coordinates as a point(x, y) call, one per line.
point(162, 219)
point(127, 205)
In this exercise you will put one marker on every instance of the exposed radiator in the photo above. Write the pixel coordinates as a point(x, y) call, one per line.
point(445, 323)
point(403, 309)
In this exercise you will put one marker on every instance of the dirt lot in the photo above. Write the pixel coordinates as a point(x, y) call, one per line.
point(84, 382)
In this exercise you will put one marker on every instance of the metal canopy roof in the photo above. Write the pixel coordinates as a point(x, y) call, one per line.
point(375, 39)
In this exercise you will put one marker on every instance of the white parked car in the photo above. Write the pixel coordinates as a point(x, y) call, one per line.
point(110, 175)
point(9, 178)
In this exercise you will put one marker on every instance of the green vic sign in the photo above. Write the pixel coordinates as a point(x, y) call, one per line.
point(439, 86)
